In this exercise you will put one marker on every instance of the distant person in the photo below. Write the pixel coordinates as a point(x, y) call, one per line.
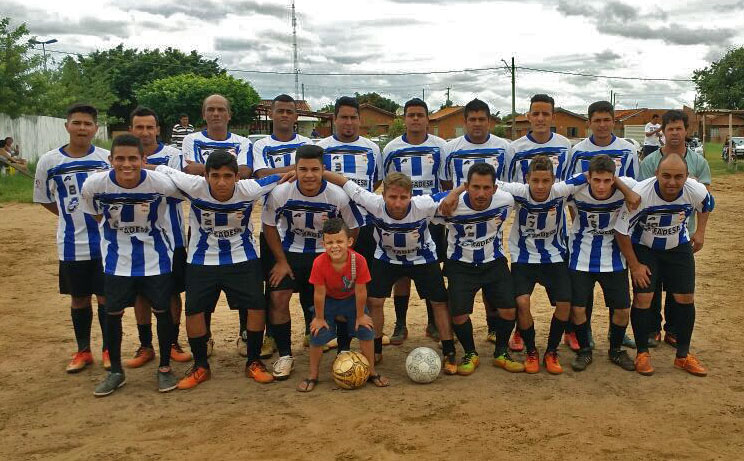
point(653, 136)
point(12, 148)
point(315, 133)
point(180, 130)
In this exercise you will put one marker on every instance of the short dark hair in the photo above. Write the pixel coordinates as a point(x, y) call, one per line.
point(182, 116)
point(654, 115)
point(541, 163)
point(142, 111)
point(482, 168)
point(415, 102)
point(540, 97)
point(309, 151)
point(2, 143)
point(334, 226)
point(83, 109)
point(8, 137)
point(219, 158)
point(674, 116)
point(600, 106)
point(129, 140)
point(283, 98)
point(476, 105)
point(345, 101)
point(602, 163)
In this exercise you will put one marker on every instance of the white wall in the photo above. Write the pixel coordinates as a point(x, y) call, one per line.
point(36, 135)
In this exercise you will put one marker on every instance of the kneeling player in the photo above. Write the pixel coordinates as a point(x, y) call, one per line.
point(340, 278)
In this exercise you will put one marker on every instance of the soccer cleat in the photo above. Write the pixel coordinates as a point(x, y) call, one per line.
point(491, 337)
point(167, 381)
point(400, 334)
point(432, 332)
point(591, 339)
point(106, 360)
point(622, 359)
point(112, 382)
point(516, 343)
point(691, 365)
point(671, 339)
point(643, 364)
point(283, 367)
point(506, 362)
point(195, 376)
point(141, 357)
point(210, 347)
point(629, 342)
point(468, 364)
point(582, 360)
point(179, 355)
point(268, 348)
point(79, 361)
point(257, 371)
point(570, 340)
point(551, 363)
point(241, 344)
point(332, 344)
point(532, 362)
point(449, 364)
point(654, 339)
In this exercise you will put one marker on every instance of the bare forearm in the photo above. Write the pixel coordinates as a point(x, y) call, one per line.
point(334, 178)
point(626, 248)
point(269, 171)
point(702, 222)
point(197, 169)
point(319, 300)
point(360, 293)
point(244, 172)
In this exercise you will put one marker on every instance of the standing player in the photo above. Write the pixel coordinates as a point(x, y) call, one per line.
point(181, 130)
point(418, 155)
point(60, 175)
point(652, 140)
point(657, 244)
point(292, 224)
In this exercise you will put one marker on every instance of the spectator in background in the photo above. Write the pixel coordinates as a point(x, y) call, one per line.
point(11, 148)
point(180, 130)
point(315, 133)
point(652, 142)
point(7, 155)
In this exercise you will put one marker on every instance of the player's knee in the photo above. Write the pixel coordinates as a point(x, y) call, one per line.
point(365, 333)
point(508, 314)
point(642, 300)
point(688, 298)
point(621, 316)
point(460, 319)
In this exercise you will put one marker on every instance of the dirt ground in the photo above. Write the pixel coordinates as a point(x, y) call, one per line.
point(603, 413)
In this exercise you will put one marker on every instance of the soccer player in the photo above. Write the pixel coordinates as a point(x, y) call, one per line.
point(657, 244)
point(60, 175)
point(340, 277)
point(293, 226)
point(137, 251)
point(419, 155)
point(181, 130)
point(652, 139)
point(145, 125)
point(476, 261)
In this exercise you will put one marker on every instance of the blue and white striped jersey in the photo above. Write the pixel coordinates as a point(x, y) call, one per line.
point(404, 241)
point(423, 162)
point(523, 150)
point(360, 160)
point(620, 151)
point(299, 218)
point(538, 234)
point(135, 223)
point(59, 179)
point(271, 153)
point(476, 237)
point(170, 156)
point(221, 232)
point(460, 154)
point(198, 146)
point(591, 239)
point(659, 224)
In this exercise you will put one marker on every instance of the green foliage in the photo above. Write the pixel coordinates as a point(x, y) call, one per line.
point(378, 101)
point(499, 130)
point(721, 86)
point(327, 108)
point(17, 187)
point(172, 96)
point(397, 128)
point(718, 167)
point(20, 82)
point(447, 103)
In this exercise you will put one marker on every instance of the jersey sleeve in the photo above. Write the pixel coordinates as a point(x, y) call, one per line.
point(379, 173)
point(385, 152)
point(513, 188)
point(508, 157)
point(623, 223)
point(165, 185)
point(87, 194)
point(369, 200)
point(704, 174)
point(42, 191)
point(245, 157)
point(445, 168)
point(350, 214)
point(316, 273)
point(363, 275)
point(187, 149)
point(570, 185)
point(699, 196)
point(628, 181)
point(268, 213)
point(186, 183)
point(176, 161)
point(428, 204)
point(259, 161)
point(253, 189)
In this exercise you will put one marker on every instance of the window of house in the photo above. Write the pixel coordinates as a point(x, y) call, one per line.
point(458, 131)
point(572, 132)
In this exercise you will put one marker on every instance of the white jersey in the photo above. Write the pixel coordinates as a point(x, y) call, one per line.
point(135, 225)
point(591, 239)
point(654, 139)
point(360, 160)
point(221, 232)
point(619, 150)
point(404, 241)
point(170, 156)
point(299, 218)
point(523, 150)
point(271, 153)
point(538, 235)
point(460, 154)
point(660, 224)
point(476, 237)
point(59, 179)
point(421, 162)
point(198, 146)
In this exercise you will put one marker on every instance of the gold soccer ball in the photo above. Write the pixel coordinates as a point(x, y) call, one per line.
point(350, 370)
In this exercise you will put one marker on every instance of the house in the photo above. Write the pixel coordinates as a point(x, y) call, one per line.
point(713, 124)
point(306, 119)
point(374, 121)
point(567, 123)
point(449, 122)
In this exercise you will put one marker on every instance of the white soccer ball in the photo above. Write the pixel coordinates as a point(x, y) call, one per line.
point(423, 365)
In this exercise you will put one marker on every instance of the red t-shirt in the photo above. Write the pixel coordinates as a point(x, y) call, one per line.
point(339, 284)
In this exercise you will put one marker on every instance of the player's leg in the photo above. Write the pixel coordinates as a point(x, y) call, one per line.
point(582, 289)
point(617, 298)
point(145, 352)
point(557, 282)
point(281, 326)
point(158, 289)
point(670, 320)
point(430, 286)
point(202, 293)
point(463, 284)
point(439, 236)
point(267, 262)
point(656, 302)
point(384, 275)
point(641, 314)
point(347, 310)
point(120, 293)
point(401, 296)
point(498, 288)
point(317, 341)
point(178, 277)
point(524, 278)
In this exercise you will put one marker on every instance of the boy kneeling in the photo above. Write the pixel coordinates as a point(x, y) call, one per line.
point(340, 277)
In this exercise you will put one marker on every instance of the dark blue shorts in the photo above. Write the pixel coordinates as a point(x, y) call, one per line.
point(340, 308)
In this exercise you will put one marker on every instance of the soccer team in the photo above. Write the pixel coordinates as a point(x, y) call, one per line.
point(328, 236)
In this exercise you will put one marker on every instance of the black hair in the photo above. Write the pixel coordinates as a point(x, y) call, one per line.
point(673, 116)
point(345, 101)
point(283, 98)
point(129, 140)
point(602, 163)
point(415, 102)
point(541, 163)
point(484, 169)
point(334, 226)
point(182, 116)
point(219, 158)
point(309, 151)
point(542, 98)
point(654, 115)
point(142, 111)
point(2, 143)
point(83, 109)
point(476, 105)
point(600, 106)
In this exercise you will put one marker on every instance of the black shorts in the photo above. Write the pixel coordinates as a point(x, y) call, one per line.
point(614, 286)
point(241, 282)
point(81, 278)
point(674, 267)
point(427, 277)
point(439, 235)
point(121, 291)
point(553, 276)
point(466, 279)
point(301, 265)
point(178, 275)
point(365, 244)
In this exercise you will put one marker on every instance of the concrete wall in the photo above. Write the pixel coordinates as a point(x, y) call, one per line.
point(36, 135)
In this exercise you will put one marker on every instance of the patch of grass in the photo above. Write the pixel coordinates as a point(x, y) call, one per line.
point(718, 167)
point(103, 143)
point(16, 188)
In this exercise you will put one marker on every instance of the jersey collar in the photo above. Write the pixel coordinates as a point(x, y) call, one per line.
point(404, 138)
point(112, 176)
point(323, 185)
point(62, 150)
point(350, 142)
point(467, 138)
point(658, 192)
point(229, 135)
point(591, 140)
point(529, 136)
point(278, 140)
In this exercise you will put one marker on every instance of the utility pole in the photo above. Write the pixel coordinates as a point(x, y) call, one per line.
point(423, 94)
point(513, 71)
point(448, 98)
point(303, 91)
point(294, 52)
point(43, 48)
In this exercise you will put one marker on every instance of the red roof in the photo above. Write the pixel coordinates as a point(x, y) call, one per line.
point(376, 109)
point(446, 112)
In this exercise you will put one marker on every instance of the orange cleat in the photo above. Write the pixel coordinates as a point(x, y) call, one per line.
point(141, 357)
point(106, 360)
point(551, 363)
point(256, 370)
point(449, 364)
point(79, 361)
point(532, 362)
point(691, 365)
point(194, 377)
point(643, 364)
point(179, 355)
point(516, 343)
point(570, 340)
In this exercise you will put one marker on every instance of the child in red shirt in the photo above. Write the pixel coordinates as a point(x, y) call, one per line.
point(340, 277)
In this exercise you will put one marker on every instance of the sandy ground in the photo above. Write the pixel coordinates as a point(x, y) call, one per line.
point(603, 413)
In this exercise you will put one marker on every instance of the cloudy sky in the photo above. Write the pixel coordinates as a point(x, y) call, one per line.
point(626, 38)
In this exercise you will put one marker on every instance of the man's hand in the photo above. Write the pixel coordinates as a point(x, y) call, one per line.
point(278, 272)
point(334, 178)
point(633, 201)
point(698, 240)
point(288, 177)
point(641, 275)
point(364, 321)
point(448, 205)
point(316, 325)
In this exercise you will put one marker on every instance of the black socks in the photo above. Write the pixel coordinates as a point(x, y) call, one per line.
point(464, 333)
point(684, 324)
point(82, 319)
point(641, 321)
point(113, 324)
point(199, 350)
point(283, 336)
point(401, 308)
point(557, 327)
point(528, 336)
point(165, 336)
point(145, 335)
point(253, 345)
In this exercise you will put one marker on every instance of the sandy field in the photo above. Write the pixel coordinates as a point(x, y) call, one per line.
point(603, 413)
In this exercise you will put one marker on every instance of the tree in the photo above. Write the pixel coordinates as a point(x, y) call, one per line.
point(396, 128)
point(20, 81)
point(721, 86)
point(447, 103)
point(327, 108)
point(378, 101)
point(171, 96)
point(499, 130)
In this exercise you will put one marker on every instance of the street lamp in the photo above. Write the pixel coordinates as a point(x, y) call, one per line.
point(43, 48)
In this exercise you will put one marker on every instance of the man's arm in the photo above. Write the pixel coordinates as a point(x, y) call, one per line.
point(334, 178)
point(269, 171)
point(631, 198)
point(197, 169)
point(318, 322)
point(448, 204)
point(639, 273)
point(281, 268)
point(244, 172)
point(698, 238)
